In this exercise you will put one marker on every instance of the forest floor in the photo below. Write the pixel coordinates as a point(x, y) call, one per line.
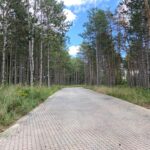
point(138, 96)
point(16, 101)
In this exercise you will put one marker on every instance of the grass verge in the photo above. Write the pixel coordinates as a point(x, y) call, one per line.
point(137, 96)
point(16, 101)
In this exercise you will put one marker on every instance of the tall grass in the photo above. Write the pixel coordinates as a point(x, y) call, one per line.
point(16, 101)
point(137, 96)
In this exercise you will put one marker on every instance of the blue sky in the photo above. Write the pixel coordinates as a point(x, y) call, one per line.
point(76, 12)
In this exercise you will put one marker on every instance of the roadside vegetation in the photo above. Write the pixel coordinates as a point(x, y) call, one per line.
point(139, 96)
point(16, 101)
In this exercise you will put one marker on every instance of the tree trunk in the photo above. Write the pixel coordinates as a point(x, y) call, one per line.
point(147, 11)
point(41, 62)
point(32, 61)
point(15, 74)
point(97, 63)
point(31, 47)
point(10, 67)
point(4, 51)
point(48, 67)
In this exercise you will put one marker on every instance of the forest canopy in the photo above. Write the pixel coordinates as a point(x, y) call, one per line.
point(33, 45)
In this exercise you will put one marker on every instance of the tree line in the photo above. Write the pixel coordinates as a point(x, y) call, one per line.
point(116, 46)
point(33, 43)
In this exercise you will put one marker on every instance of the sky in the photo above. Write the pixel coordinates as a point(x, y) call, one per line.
point(76, 12)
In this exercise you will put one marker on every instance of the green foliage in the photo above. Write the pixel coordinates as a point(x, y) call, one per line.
point(16, 101)
point(139, 96)
point(136, 41)
point(102, 60)
point(77, 71)
point(43, 22)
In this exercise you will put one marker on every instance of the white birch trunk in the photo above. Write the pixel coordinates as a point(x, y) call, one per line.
point(31, 45)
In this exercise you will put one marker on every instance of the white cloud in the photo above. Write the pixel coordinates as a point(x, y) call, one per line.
point(83, 5)
point(70, 15)
point(74, 50)
point(73, 2)
point(77, 2)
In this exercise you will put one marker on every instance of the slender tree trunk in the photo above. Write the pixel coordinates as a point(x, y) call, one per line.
point(20, 72)
point(31, 43)
point(76, 77)
point(28, 71)
point(4, 51)
point(41, 62)
point(48, 65)
point(147, 11)
point(85, 82)
point(10, 67)
point(41, 48)
point(48, 57)
point(15, 74)
point(97, 63)
point(64, 77)
point(32, 61)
